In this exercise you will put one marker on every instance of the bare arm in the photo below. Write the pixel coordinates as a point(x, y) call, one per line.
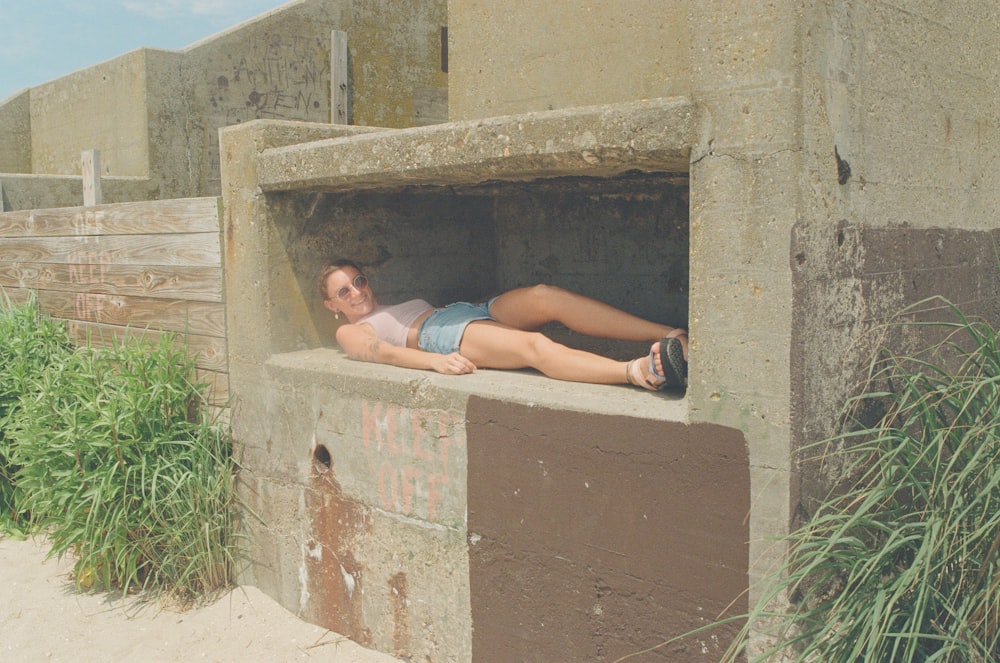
point(360, 342)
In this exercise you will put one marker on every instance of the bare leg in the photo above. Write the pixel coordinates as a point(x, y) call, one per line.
point(492, 345)
point(533, 307)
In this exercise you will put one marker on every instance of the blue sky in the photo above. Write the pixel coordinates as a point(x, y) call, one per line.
point(41, 40)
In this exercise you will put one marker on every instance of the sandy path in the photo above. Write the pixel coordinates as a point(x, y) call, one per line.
point(43, 618)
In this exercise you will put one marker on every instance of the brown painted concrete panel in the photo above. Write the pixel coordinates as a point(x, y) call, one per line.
point(959, 265)
point(592, 537)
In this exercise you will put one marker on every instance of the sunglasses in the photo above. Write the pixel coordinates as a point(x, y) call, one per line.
point(360, 281)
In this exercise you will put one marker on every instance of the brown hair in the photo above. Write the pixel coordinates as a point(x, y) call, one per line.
point(330, 268)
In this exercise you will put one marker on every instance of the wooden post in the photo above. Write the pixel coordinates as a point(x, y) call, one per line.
point(90, 167)
point(340, 93)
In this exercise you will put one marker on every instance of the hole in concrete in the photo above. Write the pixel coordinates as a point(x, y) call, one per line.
point(322, 461)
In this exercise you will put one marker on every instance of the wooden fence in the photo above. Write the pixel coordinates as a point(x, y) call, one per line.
point(125, 269)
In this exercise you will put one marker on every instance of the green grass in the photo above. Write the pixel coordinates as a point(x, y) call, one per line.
point(903, 565)
point(113, 458)
point(29, 344)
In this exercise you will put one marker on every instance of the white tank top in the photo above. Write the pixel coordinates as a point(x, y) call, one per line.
point(391, 323)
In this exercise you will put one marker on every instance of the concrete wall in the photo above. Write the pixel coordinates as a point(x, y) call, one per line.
point(278, 67)
point(745, 192)
point(156, 114)
point(25, 192)
point(907, 98)
point(15, 133)
point(102, 107)
point(739, 63)
point(594, 536)
point(515, 57)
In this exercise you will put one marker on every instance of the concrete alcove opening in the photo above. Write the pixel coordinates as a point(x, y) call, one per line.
point(622, 240)
point(594, 200)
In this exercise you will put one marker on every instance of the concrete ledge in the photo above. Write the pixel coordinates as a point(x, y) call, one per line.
point(23, 191)
point(599, 141)
point(522, 387)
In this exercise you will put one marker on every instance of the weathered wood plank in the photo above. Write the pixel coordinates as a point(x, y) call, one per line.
point(14, 296)
point(218, 386)
point(340, 92)
point(200, 249)
point(179, 282)
point(125, 270)
point(218, 380)
point(210, 351)
point(90, 169)
point(177, 315)
point(185, 215)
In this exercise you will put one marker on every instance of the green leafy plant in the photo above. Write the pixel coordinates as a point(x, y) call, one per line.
point(29, 344)
point(119, 465)
point(903, 565)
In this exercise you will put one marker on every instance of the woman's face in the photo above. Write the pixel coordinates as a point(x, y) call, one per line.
point(349, 294)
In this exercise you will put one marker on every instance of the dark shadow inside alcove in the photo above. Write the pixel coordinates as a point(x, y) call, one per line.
point(623, 240)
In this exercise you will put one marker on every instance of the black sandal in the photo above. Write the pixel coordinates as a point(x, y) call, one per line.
point(675, 367)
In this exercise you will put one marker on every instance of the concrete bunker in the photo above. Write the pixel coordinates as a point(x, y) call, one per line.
point(429, 516)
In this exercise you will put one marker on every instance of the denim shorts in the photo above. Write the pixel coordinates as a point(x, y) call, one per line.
point(443, 329)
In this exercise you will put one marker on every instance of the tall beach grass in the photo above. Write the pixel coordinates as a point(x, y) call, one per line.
point(904, 564)
point(29, 344)
point(112, 455)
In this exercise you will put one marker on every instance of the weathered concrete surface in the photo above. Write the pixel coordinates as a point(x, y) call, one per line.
point(543, 56)
point(599, 141)
point(361, 496)
point(15, 133)
point(745, 191)
point(906, 97)
point(39, 191)
point(277, 66)
point(255, 259)
point(103, 107)
point(359, 480)
point(21, 192)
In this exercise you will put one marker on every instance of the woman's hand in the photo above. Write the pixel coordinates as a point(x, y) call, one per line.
point(360, 342)
point(452, 364)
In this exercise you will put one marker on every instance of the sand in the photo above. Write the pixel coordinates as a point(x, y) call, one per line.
point(44, 618)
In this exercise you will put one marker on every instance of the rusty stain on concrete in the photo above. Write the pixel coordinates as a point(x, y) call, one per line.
point(400, 615)
point(335, 579)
